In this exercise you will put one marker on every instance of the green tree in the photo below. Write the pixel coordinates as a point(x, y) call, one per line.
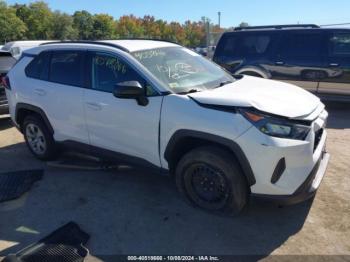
point(38, 19)
point(84, 24)
point(129, 26)
point(151, 28)
point(62, 27)
point(103, 27)
point(195, 33)
point(11, 27)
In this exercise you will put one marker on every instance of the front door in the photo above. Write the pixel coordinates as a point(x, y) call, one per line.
point(120, 125)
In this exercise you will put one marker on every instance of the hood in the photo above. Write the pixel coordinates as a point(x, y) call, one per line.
point(269, 96)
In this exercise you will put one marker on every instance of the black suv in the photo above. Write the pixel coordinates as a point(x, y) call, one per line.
point(317, 59)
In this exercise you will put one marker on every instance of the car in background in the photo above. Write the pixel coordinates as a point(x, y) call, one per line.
point(314, 58)
point(9, 54)
point(17, 47)
point(202, 51)
point(6, 63)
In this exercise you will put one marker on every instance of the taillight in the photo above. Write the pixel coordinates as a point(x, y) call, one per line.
point(6, 82)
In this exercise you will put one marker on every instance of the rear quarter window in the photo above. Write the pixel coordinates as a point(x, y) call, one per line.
point(227, 45)
point(38, 67)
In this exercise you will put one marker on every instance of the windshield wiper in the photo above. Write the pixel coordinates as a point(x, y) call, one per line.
point(188, 92)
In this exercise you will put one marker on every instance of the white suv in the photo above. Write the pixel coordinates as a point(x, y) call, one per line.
point(161, 105)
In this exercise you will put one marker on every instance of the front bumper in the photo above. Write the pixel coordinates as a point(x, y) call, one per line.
point(307, 190)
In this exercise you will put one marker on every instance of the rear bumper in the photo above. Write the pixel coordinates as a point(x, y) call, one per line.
point(307, 189)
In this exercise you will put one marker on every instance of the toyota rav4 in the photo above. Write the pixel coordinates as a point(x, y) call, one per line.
point(158, 104)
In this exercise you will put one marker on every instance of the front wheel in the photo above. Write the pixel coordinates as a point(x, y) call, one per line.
point(38, 138)
point(210, 178)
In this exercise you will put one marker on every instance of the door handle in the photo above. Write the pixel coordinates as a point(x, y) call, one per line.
point(94, 106)
point(279, 63)
point(40, 92)
point(333, 64)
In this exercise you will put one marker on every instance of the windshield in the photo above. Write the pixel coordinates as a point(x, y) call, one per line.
point(183, 70)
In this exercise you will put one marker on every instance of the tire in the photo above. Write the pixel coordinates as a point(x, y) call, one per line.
point(211, 179)
point(36, 132)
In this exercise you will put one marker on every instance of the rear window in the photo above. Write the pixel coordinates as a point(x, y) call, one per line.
point(66, 68)
point(228, 46)
point(340, 44)
point(38, 67)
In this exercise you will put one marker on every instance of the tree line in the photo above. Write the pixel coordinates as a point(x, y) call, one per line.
point(36, 21)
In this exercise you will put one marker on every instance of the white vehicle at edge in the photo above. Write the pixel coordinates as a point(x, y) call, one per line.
point(17, 47)
point(159, 104)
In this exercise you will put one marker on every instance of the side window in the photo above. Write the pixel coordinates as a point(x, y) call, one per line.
point(254, 44)
point(65, 68)
point(38, 67)
point(340, 44)
point(108, 70)
point(301, 45)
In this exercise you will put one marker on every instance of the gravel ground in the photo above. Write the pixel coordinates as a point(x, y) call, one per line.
point(129, 211)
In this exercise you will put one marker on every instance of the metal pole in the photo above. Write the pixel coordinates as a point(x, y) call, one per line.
point(219, 14)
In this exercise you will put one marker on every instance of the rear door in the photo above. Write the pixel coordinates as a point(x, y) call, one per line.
point(337, 80)
point(57, 87)
point(300, 58)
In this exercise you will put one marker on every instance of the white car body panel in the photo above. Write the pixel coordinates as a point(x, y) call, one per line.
point(175, 116)
point(123, 126)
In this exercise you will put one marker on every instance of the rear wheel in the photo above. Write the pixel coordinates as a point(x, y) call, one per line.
point(210, 178)
point(38, 138)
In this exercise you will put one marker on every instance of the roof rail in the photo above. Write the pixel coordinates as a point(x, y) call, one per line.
point(276, 27)
point(88, 42)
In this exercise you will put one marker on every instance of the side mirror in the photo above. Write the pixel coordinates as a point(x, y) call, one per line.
point(131, 90)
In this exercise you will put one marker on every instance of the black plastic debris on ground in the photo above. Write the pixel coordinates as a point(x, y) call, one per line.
point(66, 244)
point(15, 184)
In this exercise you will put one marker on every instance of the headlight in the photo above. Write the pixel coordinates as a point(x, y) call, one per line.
point(275, 126)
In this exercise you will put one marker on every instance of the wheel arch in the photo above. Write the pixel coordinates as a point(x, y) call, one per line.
point(182, 141)
point(23, 110)
point(255, 70)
